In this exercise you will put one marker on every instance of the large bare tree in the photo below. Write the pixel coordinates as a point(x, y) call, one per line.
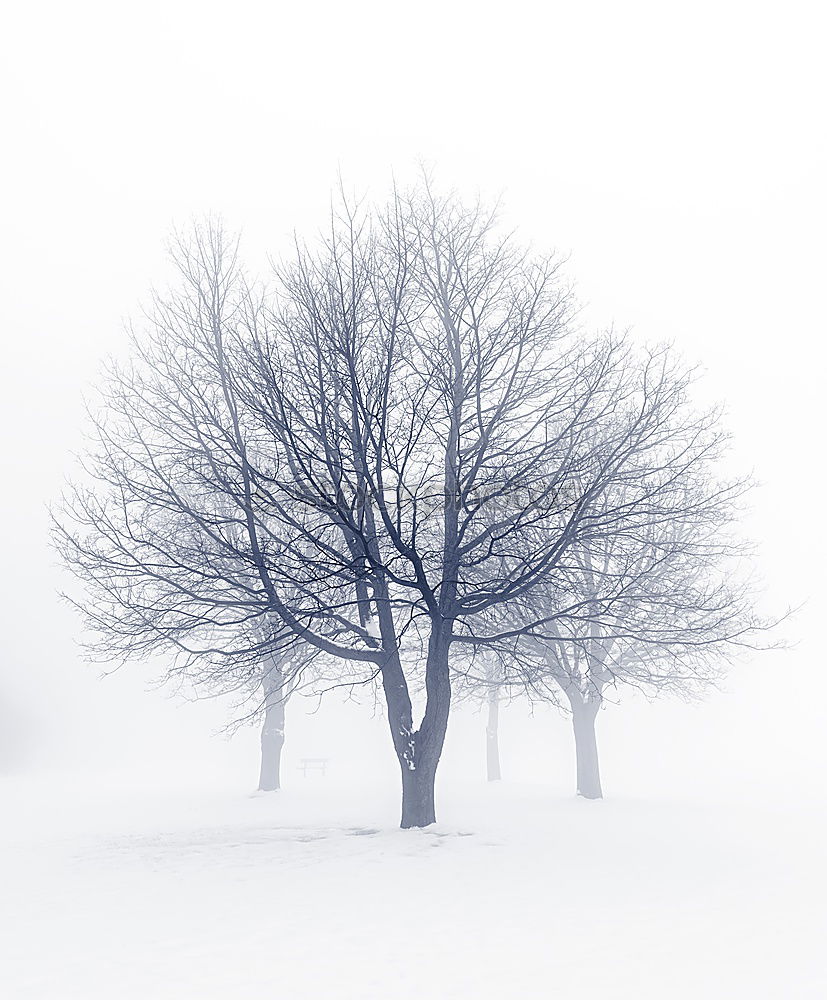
point(427, 401)
point(387, 458)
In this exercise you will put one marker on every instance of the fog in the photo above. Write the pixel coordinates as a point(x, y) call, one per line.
point(677, 157)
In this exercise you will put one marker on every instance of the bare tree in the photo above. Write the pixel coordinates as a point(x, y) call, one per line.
point(286, 668)
point(154, 529)
point(449, 440)
point(481, 681)
point(387, 458)
point(492, 726)
point(653, 591)
point(660, 603)
point(419, 380)
point(276, 695)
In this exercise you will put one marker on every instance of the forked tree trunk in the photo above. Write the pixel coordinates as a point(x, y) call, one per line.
point(272, 735)
point(492, 735)
point(413, 750)
point(419, 752)
point(585, 741)
point(418, 764)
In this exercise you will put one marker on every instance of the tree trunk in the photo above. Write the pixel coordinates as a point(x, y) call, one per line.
point(585, 742)
point(418, 807)
point(419, 752)
point(492, 735)
point(272, 734)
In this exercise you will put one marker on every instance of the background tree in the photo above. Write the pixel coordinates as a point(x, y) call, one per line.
point(660, 602)
point(285, 669)
point(493, 769)
point(153, 530)
point(276, 695)
point(481, 679)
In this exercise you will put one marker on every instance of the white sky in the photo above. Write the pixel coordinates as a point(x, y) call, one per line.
point(677, 153)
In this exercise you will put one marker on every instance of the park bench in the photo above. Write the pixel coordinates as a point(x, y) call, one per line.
point(313, 764)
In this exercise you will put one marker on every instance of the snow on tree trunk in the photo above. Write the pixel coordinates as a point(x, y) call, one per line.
point(492, 735)
point(585, 741)
point(419, 752)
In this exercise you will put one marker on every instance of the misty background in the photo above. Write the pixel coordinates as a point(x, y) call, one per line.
point(678, 158)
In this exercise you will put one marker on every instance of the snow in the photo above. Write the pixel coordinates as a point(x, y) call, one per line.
point(142, 864)
point(114, 888)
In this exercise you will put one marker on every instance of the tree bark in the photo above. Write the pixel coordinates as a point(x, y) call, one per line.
point(585, 742)
point(272, 733)
point(419, 751)
point(492, 735)
point(418, 783)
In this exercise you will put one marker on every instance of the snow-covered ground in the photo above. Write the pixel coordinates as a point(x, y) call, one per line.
point(126, 890)
point(136, 861)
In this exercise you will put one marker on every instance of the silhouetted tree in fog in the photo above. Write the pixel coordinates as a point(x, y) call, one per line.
point(394, 458)
point(276, 695)
point(660, 602)
point(492, 726)
point(651, 591)
point(482, 681)
point(154, 529)
point(404, 363)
